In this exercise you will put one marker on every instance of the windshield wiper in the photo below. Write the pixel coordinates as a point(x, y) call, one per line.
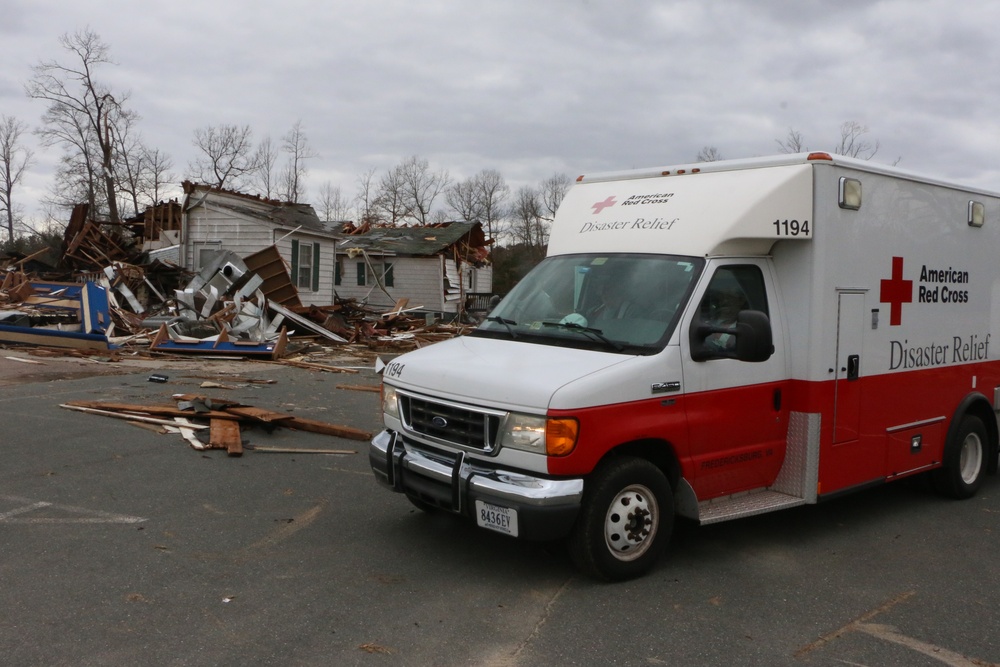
point(589, 331)
point(510, 324)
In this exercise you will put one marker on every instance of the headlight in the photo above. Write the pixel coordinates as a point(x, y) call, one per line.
point(540, 435)
point(390, 406)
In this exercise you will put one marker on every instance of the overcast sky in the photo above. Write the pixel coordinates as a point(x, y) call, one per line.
point(534, 87)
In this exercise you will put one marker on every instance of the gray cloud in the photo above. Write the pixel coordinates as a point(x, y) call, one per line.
point(532, 88)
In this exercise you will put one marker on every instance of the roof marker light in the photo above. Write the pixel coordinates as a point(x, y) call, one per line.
point(849, 195)
point(977, 214)
point(820, 156)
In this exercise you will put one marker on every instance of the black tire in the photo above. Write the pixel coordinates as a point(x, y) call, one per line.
point(965, 461)
point(625, 520)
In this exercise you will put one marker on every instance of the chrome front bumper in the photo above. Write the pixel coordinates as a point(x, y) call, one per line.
point(547, 507)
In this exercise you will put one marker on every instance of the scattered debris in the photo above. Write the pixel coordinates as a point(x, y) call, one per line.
point(224, 417)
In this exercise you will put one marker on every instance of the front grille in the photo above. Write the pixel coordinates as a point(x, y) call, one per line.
point(452, 424)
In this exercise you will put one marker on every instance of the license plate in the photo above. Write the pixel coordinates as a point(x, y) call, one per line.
point(501, 519)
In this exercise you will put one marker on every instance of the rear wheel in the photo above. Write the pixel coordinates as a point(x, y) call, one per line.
point(964, 465)
point(625, 520)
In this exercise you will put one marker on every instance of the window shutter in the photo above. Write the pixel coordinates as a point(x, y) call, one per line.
point(388, 275)
point(295, 262)
point(336, 272)
point(361, 273)
point(315, 276)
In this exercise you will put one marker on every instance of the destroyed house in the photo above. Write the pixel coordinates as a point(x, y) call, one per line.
point(217, 220)
point(438, 269)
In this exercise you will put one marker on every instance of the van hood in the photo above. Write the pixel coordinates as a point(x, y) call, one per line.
point(502, 374)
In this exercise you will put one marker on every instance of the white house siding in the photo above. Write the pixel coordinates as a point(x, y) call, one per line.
point(207, 227)
point(222, 229)
point(323, 296)
point(482, 279)
point(415, 278)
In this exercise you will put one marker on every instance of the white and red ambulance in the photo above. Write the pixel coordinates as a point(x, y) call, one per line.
point(713, 341)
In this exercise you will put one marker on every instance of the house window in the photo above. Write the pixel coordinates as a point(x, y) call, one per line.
point(303, 279)
point(305, 265)
point(367, 273)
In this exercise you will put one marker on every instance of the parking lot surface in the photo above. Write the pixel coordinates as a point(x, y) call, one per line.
point(120, 545)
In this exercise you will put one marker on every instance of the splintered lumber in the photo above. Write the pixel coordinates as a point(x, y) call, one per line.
point(313, 426)
point(258, 414)
point(318, 367)
point(224, 418)
point(299, 450)
point(360, 387)
point(225, 434)
point(128, 416)
point(281, 418)
point(149, 410)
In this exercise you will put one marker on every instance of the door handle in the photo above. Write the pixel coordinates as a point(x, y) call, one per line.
point(853, 367)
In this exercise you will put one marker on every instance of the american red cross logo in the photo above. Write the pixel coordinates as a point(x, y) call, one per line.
point(601, 205)
point(896, 292)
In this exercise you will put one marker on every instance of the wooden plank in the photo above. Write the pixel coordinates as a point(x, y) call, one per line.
point(298, 450)
point(313, 426)
point(128, 417)
point(360, 387)
point(225, 434)
point(319, 367)
point(259, 414)
point(151, 410)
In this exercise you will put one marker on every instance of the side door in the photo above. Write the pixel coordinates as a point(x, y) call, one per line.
point(736, 411)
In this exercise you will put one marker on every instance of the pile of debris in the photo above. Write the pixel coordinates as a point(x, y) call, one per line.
point(111, 298)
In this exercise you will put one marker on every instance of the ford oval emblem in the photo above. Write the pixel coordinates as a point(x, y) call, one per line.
point(439, 421)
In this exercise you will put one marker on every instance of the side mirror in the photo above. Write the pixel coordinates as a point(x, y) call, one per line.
point(754, 340)
point(749, 340)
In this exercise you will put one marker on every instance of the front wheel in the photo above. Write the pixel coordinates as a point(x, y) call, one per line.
point(965, 461)
point(625, 520)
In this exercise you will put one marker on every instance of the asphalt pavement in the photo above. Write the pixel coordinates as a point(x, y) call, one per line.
point(123, 546)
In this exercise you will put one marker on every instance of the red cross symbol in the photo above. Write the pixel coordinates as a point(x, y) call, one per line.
point(896, 292)
point(601, 205)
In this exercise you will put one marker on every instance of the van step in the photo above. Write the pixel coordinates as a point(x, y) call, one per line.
point(745, 504)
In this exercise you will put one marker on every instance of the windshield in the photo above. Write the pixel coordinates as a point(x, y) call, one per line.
point(627, 303)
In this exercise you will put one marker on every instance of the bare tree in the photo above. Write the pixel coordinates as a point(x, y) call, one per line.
point(228, 157)
point(708, 154)
point(131, 165)
point(15, 159)
point(390, 202)
point(494, 193)
point(551, 193)
point(463, 198)
point(81, 111)
point(296, 144)
point(853, 142)
point(482, 198)
point(332, 205)
point(157, 174)
point(264, 177)
point(792, 143)
point(420, 187)
point(527, 218)
point(366, 200)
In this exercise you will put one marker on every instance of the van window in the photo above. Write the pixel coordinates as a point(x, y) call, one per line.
point(732, 289)
point(627, 303)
